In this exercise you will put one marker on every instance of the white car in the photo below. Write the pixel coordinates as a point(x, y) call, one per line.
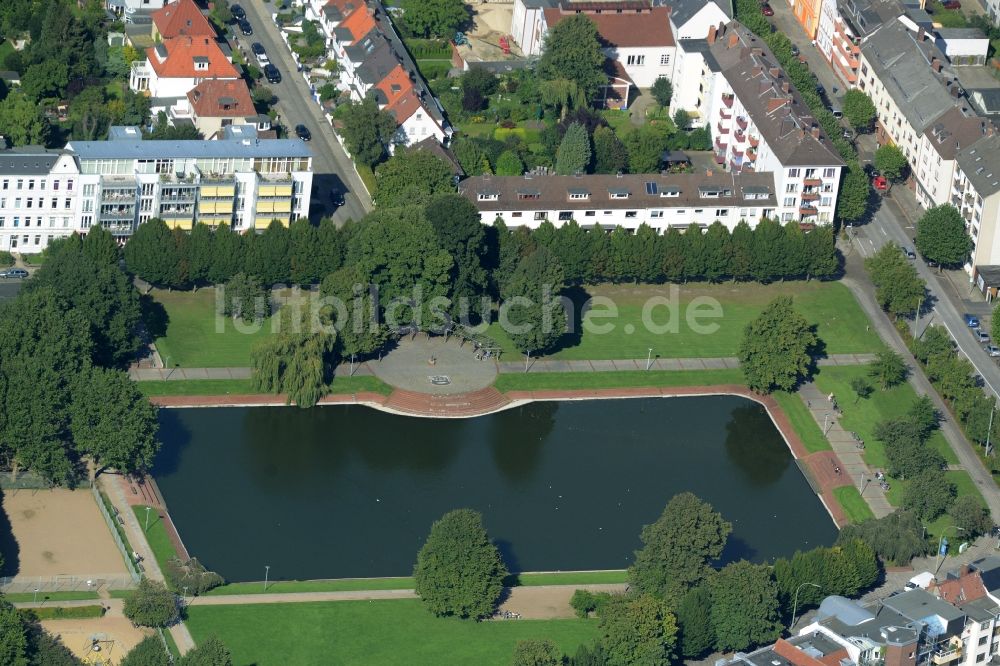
point(993, 350)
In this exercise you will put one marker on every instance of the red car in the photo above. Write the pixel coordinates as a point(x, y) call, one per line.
point(766, 10)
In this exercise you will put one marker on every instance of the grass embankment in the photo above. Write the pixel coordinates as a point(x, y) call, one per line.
point(372, 632)
point(830, 306)
point(802, 421)
point(156, 534)
point(339, 386)
point(542, 381)
point(65, 612)
point(854, 505)
point(861, 416)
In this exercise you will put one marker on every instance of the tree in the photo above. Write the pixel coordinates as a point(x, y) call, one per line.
point(460, 233)
point(898, 288)
point(854, 193)
point(149, 652)
point(151, 605)
point(694, 619)
point(744, 606)
point(13, 642)
point(536, 318)
point(22, 122)
point(924, 416)
point(45, 79)
point(246, 299)
point(268, 254)
point(572, 52)
point(637, 630)
point(861, 388)
point(151, 253)
point(164, 131)
point(190, 575)
point(645, 147)
point(367, 130)
point(891, 162)
point(227, 255)
point(536, 652)
point(459, 571)
point(859, 110)
point(359, 332)
point(896, 538)
point(775, 349)
point(199, 254)
point(509, 164)
point(995, 324)
point(888, 369)
point(662, 91)
point(434, 18)
point(969, 513)
point(610, 154)
point(573, 155)
point(298, 360)
point(682, 119)
point(113, 422)
point(678, 548)
point(941, 236)
point(210, 652)
point(411, 177)
point(928, 494)
point(100, 247)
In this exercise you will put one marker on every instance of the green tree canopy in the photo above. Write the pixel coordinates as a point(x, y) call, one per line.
point(209, 652)
point(13, 642)
point(151, 605)
point(149, 652)
point(434, 18)
point(891, 162)
point(888, 369)
point(859, 110)
point(662, 91)
point(928, 494)
point(536, 652)
point(359, 331)
point(896, 538)
point(941, 236)
point(460, 233)
point(151, 254)
point(22, 122)
point(246, 299)
point(573, 155)
point(679, 548)
point(535, 316)
point(509, 164)
point(775, 349)
point(969, 513)
point(694, 618)
point(610, 154)
point(459, 571)
point(411, 177)
point(637, 629)
point(745, 608)
point(854, 193)
point(367, 130)
point(898, 287)
point(572, 52)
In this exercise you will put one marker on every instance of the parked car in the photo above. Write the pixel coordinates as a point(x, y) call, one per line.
point(337, 197)
point(258, 50)
point(14, 273)
point(971, 321)
point(795, 50)
point(993, 350)
point(951, 4)
point(246, 28)
point(303, 132)
point(910, 254)
point(982, 336)
point(238, 12)
point(272, 74)
point(766, 10)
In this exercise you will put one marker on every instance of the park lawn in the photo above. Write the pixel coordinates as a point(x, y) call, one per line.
point(830, 306)
point(854, 505)
point(64, 612)
point(543, 381)
point(339, 386)
point(50, 596)
point(617, 120)
point(171, 644)
point(297, 586)
point(567, 578)
point(191, 339)
point(156, 534)
point(802, 421)
point(861, 416)
point(372, 632)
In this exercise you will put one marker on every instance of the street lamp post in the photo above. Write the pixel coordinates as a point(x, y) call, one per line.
point(147, 519)
point(527, 359)
point(989, 430)
point(36, 595)
point(649, 358)
point(795, 606)
point(267, 570)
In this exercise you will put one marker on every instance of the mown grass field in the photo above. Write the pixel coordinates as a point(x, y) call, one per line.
point(372, 632)
point(854, 505)
point(339, 386)
point(599, 380)
point(829, 306)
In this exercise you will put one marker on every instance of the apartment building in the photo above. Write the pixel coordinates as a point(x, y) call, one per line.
point(975, 192)
point(844, 25)
point(761, 124)
point(662, 201)
point(38, 197)
point(176, 65)
point(374, 62)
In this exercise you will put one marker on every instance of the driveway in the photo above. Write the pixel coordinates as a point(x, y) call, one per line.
point(331, 166)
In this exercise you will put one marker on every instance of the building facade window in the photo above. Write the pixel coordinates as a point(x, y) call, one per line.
point(637, 60)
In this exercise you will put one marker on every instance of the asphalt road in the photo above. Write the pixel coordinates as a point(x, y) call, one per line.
point(331, 166)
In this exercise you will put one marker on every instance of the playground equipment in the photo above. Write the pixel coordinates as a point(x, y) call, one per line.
point(98, 650)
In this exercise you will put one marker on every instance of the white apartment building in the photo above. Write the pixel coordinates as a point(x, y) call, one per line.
point(975, 192)
point(38, 197)
point(662, 201)
point(176, 65)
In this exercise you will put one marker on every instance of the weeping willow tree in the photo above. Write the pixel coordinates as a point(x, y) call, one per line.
point(298, 360)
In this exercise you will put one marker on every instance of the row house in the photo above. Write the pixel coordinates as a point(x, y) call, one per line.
point(844, 25)
point(215, 104)
point(374, 62)
point(238, 180)
point(662, 201)
point(760, 124)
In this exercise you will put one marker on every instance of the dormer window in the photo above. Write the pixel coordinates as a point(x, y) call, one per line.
point(578, 195)
point(201, 64)
point(670, 192)
point(487, 196)
point(618, 193)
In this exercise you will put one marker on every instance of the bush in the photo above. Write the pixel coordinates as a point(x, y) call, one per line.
point(191, 575)
point(151, 605)
point(6, 259)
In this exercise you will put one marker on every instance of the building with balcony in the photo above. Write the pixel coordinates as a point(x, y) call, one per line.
point(38, 197)
point(762, 125)
point(844, 25)
point(975, 192)
point(662, 201)
point(175, 66)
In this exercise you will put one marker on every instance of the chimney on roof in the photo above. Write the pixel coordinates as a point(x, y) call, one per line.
point(712, 31)
point(786, 87)
point(774, 72)
point(815, 131)
point(922, 35)
point(757, 71)
point(734, 39)
point(935, 64)
point(757, 52)
point(801, 134)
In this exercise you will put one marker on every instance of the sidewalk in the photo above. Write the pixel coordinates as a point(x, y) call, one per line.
point(542, 365)
point(854, 469)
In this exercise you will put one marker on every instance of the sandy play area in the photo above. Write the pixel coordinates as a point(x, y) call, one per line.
point(545, 602)
point(61, 533)
point(77, 635)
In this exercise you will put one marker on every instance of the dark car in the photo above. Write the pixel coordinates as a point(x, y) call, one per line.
point(337, 197)
point(272, 74)
point(766, 10)
point(910, 254)
point(257, 48)
point(238, 13)
point(795, 50)
point(245, 27)
point(18, 273)
point(303, 132)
